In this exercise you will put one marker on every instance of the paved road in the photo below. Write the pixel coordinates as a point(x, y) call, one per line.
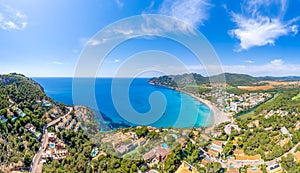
point(37, 157)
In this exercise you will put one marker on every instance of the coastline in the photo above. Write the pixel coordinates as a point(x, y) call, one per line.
point(218, 115)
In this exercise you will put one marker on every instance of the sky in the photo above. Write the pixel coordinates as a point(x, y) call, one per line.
point(47, 38)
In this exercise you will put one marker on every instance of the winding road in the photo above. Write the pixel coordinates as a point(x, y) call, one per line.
point(35, 167)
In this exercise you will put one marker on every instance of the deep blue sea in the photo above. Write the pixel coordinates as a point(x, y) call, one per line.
point(180, 110)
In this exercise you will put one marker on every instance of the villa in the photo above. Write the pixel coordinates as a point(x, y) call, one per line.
point(77, 127)
point(3, 119)
point(186, 168)
point(158, 152)
point(285, 131)
point(229, 127)
point(55, 148)
point(64, 122)
point(71, 125)
point(297, 157)
point(216, 148)
point(240, 156)
point(274, 169)
point(254, 170)
point(232, 170)
point(31, 128)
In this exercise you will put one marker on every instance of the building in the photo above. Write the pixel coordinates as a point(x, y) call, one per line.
point(254, 170)
point(274, 169)
point(149, 156)
point(232, 170)
point(158, 152)
point(240, 156)
point(297, 157)
point(77, 127)
point(215, 148)
point(285, 131)
point(233, 106)
point(55, 148)
point(186, 168)
point(228, 128)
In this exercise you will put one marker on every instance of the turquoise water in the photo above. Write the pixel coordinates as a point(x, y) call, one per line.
point(164, 145)
point(181, 110)
point(52, 145)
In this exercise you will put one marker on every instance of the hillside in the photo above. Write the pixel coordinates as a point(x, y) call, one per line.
point(21, 103)
point(232, 79)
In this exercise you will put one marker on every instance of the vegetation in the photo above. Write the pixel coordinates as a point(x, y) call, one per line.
point(18, 144)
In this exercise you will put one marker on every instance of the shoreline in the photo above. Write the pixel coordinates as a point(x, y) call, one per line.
point(218, 115)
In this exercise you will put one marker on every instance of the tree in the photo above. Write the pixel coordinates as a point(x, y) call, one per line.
point(228, 148)
point(213, 167)
point(27, 160)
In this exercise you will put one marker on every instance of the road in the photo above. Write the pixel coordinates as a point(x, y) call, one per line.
point(36, 159)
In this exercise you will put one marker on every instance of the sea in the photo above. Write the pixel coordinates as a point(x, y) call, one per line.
point(126, 102)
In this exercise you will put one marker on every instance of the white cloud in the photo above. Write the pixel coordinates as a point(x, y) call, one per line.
point(57, 62)
point(91, 42)
point(94, 42)
point(120, 3)
point(194, 12)
point(11, 19)
point(255, 27)
point(249, 61)
point(116, 60)
point(277, 62)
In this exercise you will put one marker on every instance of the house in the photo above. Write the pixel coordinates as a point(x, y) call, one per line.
point(158, 152)
point(3, 119)
point(216, 148)
point(240, 156)
point(51, 137)
point(77, 127)
point(122, 149)
point(238, 152)
point(149, 156)
point(205, 161)
point(274, 169)
point(71, 125)
point(140, 142)
point(233, 106)
point(248, 158)
point(232, 170)
point(254, 170)
point(55, 148)
point(228, 128)
point(186, 168)
point(285, 131)
point(297, 157)
point(46, 103)
point(284, 141)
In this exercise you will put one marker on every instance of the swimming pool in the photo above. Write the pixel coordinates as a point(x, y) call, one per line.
point(51, 145)
point(94, 152)
point(164, 145)
point(215, 148)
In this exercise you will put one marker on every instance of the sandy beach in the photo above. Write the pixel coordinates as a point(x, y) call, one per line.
point(218, 115)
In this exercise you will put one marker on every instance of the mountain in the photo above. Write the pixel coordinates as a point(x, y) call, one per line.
point(20, 89)
point(233, 79)
point(20, 106)
point(184, 79)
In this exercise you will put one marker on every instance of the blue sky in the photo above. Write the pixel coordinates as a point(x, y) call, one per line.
point(45, 38)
